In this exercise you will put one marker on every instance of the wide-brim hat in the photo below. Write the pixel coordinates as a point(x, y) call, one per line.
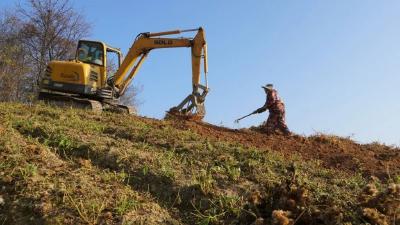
point(268, 86)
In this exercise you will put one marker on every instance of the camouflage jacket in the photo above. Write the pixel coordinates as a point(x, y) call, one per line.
point(273, 103)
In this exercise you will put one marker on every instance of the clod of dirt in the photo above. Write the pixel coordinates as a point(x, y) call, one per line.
point(384, 206)
point(371, 190)
point(255, 198)
point(374, 216)
point(332, 216)
point(259, 221)
point(302, 195)
point(280, 217)
point(85, 163)
point(394, 189)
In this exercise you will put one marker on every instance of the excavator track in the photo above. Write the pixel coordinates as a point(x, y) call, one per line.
point(117, 108)
point(128, 109)
point(68, 101)
point(71, 102)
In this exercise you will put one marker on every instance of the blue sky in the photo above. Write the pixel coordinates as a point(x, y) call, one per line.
point(336, 64)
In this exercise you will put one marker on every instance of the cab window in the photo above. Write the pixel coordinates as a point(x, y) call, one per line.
point(90, 52)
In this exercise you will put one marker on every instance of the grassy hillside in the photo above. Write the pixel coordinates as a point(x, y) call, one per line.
point(65, 166)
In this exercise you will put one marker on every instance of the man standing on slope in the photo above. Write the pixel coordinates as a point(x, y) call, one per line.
point(276, 119)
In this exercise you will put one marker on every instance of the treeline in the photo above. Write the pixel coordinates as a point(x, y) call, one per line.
point(31, 34)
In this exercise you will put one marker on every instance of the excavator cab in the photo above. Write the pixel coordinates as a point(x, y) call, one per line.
point(83, 82)
point(90, 52)
point(96, 53)
point(85, 75)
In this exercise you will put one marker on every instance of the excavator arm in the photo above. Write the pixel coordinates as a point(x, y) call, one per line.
point(193, 104)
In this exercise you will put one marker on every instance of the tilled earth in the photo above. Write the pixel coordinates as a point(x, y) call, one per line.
point(335, 152)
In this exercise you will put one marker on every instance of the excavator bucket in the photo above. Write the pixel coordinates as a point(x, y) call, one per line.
point(192, 107)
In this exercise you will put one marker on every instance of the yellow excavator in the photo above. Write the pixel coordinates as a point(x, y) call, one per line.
point(85, 83)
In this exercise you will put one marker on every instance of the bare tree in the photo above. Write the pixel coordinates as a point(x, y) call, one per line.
point(51, 29)
point(30, 36)
point(35, 33)
point(130, 97)
point(13, 69)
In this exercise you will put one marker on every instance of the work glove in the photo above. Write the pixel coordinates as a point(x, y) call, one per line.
point(258, 111)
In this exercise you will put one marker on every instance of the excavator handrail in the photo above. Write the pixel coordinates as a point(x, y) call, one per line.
point(171, 32)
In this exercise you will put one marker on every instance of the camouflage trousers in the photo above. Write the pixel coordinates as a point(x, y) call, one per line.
point(276, 123)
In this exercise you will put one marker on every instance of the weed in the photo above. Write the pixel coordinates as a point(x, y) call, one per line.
point(145, 170)
point(5, 165)
point(63, 142)
point(166, 164)
point(209, 146)
point(232, 204)
point(114, 176)
point(125, 204)
point(205, 179)
point(208, 217)
point(233, 172)
point(89, 211)
point(28, 171)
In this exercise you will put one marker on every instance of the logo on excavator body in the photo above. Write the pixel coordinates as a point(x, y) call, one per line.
point(163, 42)
point(70, 77)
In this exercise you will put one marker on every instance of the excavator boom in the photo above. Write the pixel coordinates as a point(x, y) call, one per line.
point(193, 105)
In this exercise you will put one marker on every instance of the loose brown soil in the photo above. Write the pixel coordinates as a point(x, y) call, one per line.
point(335, 152)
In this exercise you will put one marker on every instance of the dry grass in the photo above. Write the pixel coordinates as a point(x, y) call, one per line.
point(73, 167)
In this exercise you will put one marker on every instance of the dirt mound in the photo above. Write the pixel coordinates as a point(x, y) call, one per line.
point(335, 152)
